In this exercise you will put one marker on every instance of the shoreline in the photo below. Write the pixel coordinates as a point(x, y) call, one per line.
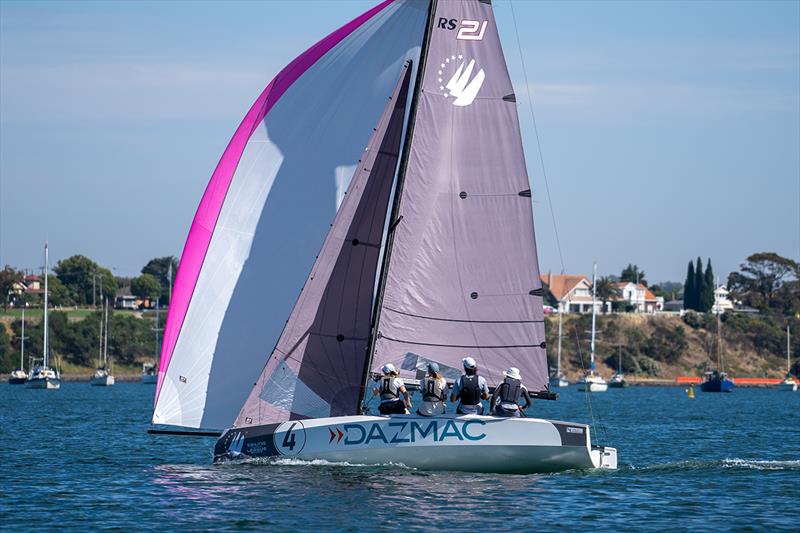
point(642, 382)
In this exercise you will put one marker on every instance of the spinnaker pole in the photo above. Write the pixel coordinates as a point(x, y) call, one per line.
point(394, 219)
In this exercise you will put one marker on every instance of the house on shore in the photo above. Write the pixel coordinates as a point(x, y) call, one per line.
point(640, 297)
point(722, 301)
point(572, 291)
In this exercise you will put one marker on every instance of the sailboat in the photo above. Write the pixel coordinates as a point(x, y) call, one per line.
point(431, 256)
point(617, 381)
point(788, 383)
point(716, 380)
point(592, 381)
point(42, 376)
point(19, 376)
point(102, 376)
point(558, 379)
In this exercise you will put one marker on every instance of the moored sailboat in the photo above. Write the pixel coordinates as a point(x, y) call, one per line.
point(593, 381)
point(618, 381)
point(19, 376)
point(716, 380)
point(42, 376)
point(454, 273)
point(788, 383)
point(102, 376)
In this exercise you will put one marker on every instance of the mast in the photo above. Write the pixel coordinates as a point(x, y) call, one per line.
point(719, 344)
point(105, 343)
point(169, 291)
point(46, 268)
point(22, 343)
point(398, 193)
point(100, 344)
point(558, 363)
point(158, 321)
point(788, 351)
point(594, 312)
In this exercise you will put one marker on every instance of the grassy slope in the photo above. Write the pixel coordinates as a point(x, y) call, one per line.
point(743, 352)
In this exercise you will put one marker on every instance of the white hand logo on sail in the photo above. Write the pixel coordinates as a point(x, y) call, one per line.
point(461, 87)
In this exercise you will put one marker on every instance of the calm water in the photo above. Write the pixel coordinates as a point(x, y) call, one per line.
point(80, 458)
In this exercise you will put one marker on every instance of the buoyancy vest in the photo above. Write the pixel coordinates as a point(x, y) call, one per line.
point(470, 393)
point(510, 391)
point(388, 389)
point(433, 390)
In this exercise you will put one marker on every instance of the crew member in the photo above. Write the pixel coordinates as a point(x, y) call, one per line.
point(505, 400)
point(470, 389)
point(434, 393)
point(391, 388)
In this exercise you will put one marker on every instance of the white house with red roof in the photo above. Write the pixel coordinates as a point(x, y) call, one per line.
point(573, 292)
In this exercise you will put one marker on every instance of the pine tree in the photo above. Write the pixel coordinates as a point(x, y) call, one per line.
point(709, 286)
point(699, 286)
point(688, 288)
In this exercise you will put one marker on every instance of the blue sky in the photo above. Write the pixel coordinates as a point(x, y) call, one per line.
point(669, 129)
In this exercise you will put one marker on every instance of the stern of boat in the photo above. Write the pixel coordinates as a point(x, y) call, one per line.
point(604, 457)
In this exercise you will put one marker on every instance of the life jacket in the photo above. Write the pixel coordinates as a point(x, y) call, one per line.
point(433, 390)
point(510, 391)
point(388, 389)
point(470, 393)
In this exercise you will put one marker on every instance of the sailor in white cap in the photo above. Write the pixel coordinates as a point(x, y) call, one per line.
point(391, 388)
point(470, 389)
point(434, 392)
point(505, 400)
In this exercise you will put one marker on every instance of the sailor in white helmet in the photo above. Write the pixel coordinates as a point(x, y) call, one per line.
point(434, 392)
point(470, 389)
point(506, 397)
point(391, 388)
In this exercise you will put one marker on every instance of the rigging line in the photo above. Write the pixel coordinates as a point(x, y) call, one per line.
point(538, 142)
point(588, 394)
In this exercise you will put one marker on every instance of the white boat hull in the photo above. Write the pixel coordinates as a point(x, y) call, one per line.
point(593, 387)
point(468, 443)
point(558, 382)
point(102, 381)
point(43, 383)
point(790, 386)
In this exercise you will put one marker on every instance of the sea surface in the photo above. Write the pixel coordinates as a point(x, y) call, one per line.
point(80, 458)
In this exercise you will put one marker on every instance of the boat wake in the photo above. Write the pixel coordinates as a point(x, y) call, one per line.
point(756, 464)
point(289, 461)
point(728, 463)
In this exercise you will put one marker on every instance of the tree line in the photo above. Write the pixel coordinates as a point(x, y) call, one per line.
point(80, 281)
point(698, 291)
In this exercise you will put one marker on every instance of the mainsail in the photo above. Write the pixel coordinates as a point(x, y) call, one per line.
point(316, 370)
point(462, 275)
point(267, 209)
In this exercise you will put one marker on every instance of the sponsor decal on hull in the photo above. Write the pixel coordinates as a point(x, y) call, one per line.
point(406, 432)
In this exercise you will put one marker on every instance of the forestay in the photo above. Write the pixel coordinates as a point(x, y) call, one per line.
point(267, 209)
point(463, 276)
point(317, 368)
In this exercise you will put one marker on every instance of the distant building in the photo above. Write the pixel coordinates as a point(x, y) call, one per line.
point(640, 297)
point(573, 292)
point(722, 301)
point(123, 299)
point(32, 283)
point(673, 305)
